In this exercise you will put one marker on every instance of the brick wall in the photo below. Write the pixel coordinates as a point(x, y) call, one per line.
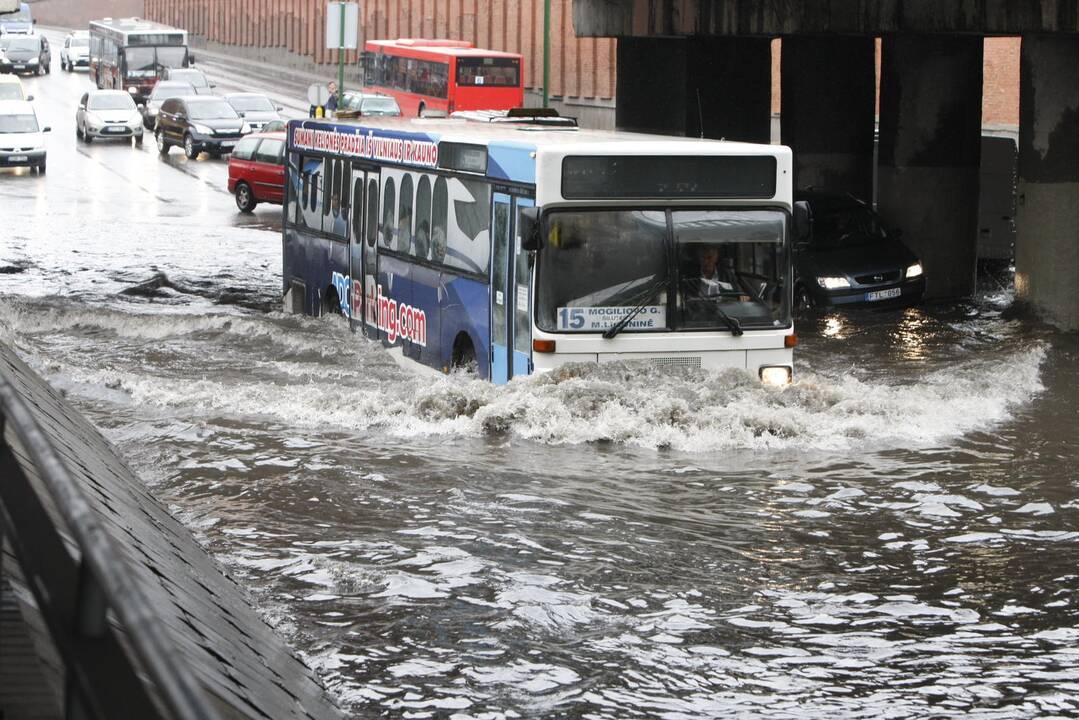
point(580, 67)
point(79, 13)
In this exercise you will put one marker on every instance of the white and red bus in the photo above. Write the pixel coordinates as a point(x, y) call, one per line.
point(131, 53)
point(443, 76)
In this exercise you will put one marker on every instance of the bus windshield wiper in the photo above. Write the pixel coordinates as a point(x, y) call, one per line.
point(732, 324)
point(649, 292)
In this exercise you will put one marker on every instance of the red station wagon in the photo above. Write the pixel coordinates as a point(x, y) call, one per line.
point(257, 170)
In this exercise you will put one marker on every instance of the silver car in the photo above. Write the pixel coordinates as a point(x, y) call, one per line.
point(108, 114)
point(257, 110)
point(164, 90)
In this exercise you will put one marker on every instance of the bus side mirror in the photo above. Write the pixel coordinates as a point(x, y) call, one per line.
point(530, 234)
point(803, 221)
point(190, 59)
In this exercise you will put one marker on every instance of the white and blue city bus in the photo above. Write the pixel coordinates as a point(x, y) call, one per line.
point(515, 247)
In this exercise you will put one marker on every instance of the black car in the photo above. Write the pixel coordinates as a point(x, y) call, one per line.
point(850, 259)
point(25, 54)
point(198, 123)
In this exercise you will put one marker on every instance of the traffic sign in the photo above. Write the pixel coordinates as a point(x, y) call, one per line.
point(318, 94)
point(342, 26)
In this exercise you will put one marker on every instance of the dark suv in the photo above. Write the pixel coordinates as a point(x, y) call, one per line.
point(197, 124)
point(850, 259)
point(25, 54)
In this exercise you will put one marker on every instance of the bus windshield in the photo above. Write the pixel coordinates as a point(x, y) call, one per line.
point(598, 265)
point(140, 62)
point(171, 57)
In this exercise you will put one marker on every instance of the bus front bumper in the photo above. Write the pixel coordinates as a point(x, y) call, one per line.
point(754, 355)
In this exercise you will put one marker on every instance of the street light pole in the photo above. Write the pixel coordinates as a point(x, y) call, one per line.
point(341, 55)
point(546, 50)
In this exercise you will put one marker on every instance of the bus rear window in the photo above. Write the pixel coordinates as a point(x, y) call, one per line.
point(643, 176)
point(496, 72)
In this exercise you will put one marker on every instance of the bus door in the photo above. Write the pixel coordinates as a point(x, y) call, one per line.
point(522, 280)
point(510, 335)
point(369, 272)
point(357, 202)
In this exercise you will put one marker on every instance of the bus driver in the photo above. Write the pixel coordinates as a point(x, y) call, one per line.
point(714, 280)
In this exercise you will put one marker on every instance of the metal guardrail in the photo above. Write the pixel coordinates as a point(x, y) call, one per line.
point(117, 663)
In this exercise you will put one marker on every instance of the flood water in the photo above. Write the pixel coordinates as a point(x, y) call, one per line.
point(893, 536)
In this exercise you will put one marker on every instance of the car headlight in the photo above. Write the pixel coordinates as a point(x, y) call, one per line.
point(914, 270)
point(93, 119)
point(833, 282)
point(33, 61)
point(778, 375)
point(203, 129)
point(135, 119)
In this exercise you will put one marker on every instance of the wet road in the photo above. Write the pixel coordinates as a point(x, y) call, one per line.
point(894, 536)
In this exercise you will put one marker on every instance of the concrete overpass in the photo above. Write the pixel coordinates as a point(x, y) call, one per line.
point(703, 67)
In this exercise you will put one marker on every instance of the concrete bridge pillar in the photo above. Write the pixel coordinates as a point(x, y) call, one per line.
point(828, 92)
point(1047, 212)
point(930, 146)
point(669, 85)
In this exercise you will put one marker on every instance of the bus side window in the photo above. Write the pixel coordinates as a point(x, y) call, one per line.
point(330, 169)
point(422, 244)
point(293, 176)
point(357, 209)
point(440, 205)
point(389, 204)
point(372, 213)
point(404, 215)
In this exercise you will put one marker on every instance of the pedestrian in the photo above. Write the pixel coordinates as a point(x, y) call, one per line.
point(331, 104)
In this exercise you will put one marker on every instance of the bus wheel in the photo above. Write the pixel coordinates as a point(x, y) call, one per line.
point(464, 355)
point(245, 199)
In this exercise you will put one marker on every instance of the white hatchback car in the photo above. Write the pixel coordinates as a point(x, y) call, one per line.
point(76, 50)
point(22, 139)
point(108, 114)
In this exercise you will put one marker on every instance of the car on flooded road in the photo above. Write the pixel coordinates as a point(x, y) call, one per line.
point(22, 139)
point(191, 76)
point(851, 259)
point(257, 170)
point(108, 114)
point(164, 90)
point(358, 104)
point(11, 89)
point(257, 109)
point(197, 124)
point(28, 54)
point(76, 51)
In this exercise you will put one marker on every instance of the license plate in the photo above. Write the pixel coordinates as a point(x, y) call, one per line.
point(18, 158)
point(20, 67)
point(883, 294)
point(115, 129)
point(228, 143)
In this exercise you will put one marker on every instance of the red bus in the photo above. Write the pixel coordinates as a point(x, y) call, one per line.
point(443, 75)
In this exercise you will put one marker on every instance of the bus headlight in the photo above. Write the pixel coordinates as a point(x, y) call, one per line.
point(777, 375)
point(914, 270)
point(831, 282)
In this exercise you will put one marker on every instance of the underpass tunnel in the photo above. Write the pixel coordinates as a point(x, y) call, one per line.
point(1047, 213)
point(926, 170)
point(930, 142)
